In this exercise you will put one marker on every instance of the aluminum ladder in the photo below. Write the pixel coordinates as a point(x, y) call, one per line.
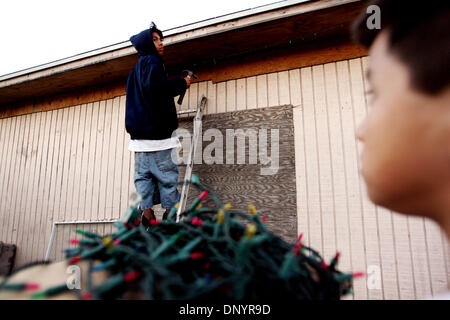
point(197, 125)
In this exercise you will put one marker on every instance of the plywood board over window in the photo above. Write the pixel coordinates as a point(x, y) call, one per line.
point(241, 179)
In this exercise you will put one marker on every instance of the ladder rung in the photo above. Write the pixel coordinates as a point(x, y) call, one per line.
point(186, 111)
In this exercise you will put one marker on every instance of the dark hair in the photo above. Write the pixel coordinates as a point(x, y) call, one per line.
point(153, 28)
point(418, 36)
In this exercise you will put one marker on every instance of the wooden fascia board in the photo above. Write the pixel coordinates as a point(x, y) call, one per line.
point(226, 72)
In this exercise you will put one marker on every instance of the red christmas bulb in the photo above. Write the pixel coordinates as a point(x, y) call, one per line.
point(31, 286)
point(75, 260)
point(197, 222)
point(87, 296)
point(127, 225)
point(203, 195)
point(197, 255)
point(74, 241)
point(298, 245)
point(131, 276)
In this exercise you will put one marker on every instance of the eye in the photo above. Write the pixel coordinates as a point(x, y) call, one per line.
point(370, 94)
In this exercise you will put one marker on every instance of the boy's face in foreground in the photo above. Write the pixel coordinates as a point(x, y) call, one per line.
point(406, 136)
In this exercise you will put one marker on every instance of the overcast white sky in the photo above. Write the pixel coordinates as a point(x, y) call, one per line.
point(35, 32)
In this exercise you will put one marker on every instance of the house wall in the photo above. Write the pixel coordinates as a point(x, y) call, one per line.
point(73, 164)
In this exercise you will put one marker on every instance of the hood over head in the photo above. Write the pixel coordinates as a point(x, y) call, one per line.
point(143, 42)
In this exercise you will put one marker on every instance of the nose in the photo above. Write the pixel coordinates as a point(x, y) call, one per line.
point(360, 131)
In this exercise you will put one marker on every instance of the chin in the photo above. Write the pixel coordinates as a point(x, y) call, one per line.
point(396, 201)
point(380, 195)
point(376, 197)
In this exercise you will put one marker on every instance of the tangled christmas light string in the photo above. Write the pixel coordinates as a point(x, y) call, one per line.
point(211, 254)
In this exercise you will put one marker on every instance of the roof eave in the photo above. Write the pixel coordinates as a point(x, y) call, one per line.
point(176, 36)
point(245, 18)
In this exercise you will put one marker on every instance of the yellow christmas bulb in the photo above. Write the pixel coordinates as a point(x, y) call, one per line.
point(220, 216)
point(252, 209)
point(250, 231)
point(108, 242)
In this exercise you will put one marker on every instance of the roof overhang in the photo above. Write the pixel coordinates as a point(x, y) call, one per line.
point(198, 45)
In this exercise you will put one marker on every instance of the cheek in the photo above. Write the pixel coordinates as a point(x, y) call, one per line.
point(395, 154)
point(384, 154)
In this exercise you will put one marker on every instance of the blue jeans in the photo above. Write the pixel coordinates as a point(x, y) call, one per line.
point(155, 178)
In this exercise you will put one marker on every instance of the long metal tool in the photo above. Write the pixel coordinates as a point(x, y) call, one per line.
point(190, 74)
point(190, 163)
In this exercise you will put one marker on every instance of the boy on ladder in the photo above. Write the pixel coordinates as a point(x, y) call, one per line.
point(150, 119)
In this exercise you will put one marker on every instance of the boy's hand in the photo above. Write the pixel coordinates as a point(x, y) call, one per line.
point(188, 80)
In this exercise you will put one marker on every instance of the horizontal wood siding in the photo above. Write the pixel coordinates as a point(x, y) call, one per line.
point(74, 164)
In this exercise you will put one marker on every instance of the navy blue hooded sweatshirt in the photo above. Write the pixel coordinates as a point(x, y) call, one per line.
point(150, 109)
